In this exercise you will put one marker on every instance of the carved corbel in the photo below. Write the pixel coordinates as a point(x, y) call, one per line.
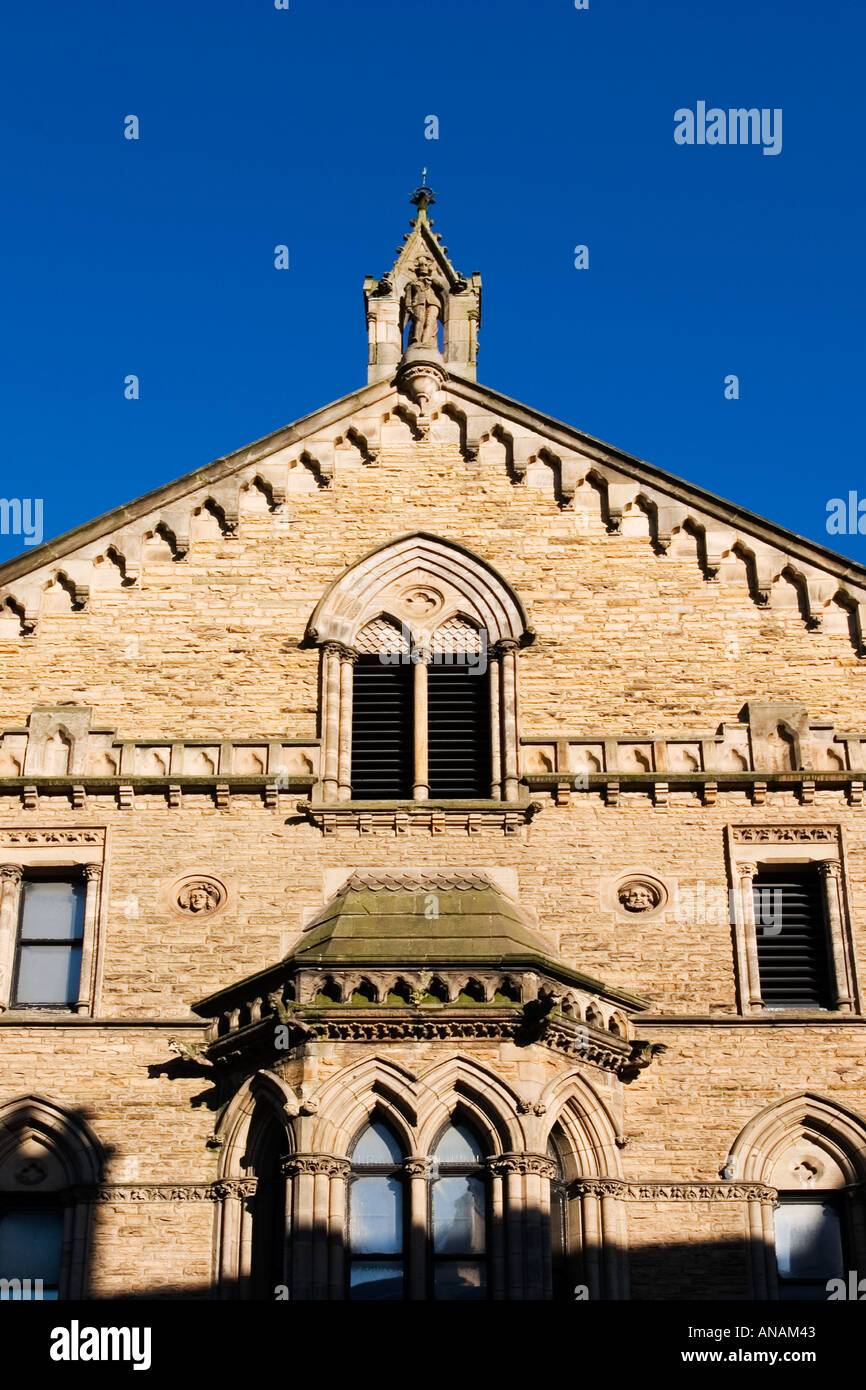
point(320, 458)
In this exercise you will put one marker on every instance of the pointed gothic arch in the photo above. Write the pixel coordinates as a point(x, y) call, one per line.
point(50, 1161)
point(761, 1148)
point(805, 1150)
point(432, 590)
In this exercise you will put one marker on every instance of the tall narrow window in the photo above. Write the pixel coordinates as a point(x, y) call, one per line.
point(31, 1242)
point(793, 954)
point(50, 936)
point(376, 1216)
point(558, 1222)
point(458, 1216)
point(808, 1247)
point(382, 760)
point(459, 730)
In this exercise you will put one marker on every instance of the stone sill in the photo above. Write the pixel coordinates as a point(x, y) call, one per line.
point(47, 1018)
point(773, 1019)
point(172, 786)
point(433, 815)
point(707, 785)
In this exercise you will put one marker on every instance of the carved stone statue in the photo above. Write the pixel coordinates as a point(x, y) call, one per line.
point(422, 306)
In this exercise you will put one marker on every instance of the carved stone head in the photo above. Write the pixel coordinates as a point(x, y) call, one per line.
point(200, 895)
point(639, 896)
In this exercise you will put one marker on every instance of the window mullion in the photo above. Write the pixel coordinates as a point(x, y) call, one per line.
point(421, 781)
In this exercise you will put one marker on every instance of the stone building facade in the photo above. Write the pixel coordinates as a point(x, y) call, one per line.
point(432, 865)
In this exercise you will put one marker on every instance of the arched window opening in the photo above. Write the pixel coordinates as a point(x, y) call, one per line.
point(459, 1216)
point(268, 1263)
point(49, 1160)
point(419, 693)
point(377, 1218)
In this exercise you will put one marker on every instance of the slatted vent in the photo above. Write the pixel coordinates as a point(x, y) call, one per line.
point(459, 730)
point(793, 962)
point(382, 753)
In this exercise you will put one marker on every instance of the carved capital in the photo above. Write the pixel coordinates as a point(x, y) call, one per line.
point(417, 1167)
point(747, 870)
point(92, 872)
point(12, 873)
point(505, 1164)
point(235, 1187)
point(830, 868)
point(329, 1164)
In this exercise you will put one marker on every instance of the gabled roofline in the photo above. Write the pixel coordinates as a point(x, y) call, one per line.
point(212, 472)
point(729, 514)
point(690, 494)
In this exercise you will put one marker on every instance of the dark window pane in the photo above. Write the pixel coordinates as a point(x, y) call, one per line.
point(379, 1279)
point(458, 1216)
point(382, 739)
point(376, 1144)
point(793, 957)
point(48, 974)
point(376, 1216)
point(459, 1280)
point(459, 731)
point(30, 1248)
point(52, 910)
point(808, 1241)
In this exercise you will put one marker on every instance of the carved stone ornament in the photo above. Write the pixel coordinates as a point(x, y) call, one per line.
point(785, 834)
point(31, 1173)
point(673, 1191)
point(638, 895)
point(176, 1192)
point(422, 602)
point(329, 1164)
point(417, 1167)
point(38, 838)
point(199, 896)
point(505, 1164)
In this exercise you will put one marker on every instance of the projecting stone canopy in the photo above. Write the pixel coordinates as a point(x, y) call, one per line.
point(444, 952)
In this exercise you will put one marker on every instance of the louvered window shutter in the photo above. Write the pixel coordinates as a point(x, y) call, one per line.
point(458, 700)
point(382, 748)
point(793, 954)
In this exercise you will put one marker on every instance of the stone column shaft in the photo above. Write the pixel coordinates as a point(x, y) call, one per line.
point(508, 667)
point(93, 879)
point(749, 929)
point(831, 876)
point(417, 1172)
point(495, 730)
point(347, 676)
point(331, 722)
point(591, 1241)
point(10, 904)
point(498, 1272)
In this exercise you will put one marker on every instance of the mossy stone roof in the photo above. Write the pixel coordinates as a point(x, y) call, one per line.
point(436, 922)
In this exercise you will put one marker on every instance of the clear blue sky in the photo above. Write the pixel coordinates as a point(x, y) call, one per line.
point(306, 127)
